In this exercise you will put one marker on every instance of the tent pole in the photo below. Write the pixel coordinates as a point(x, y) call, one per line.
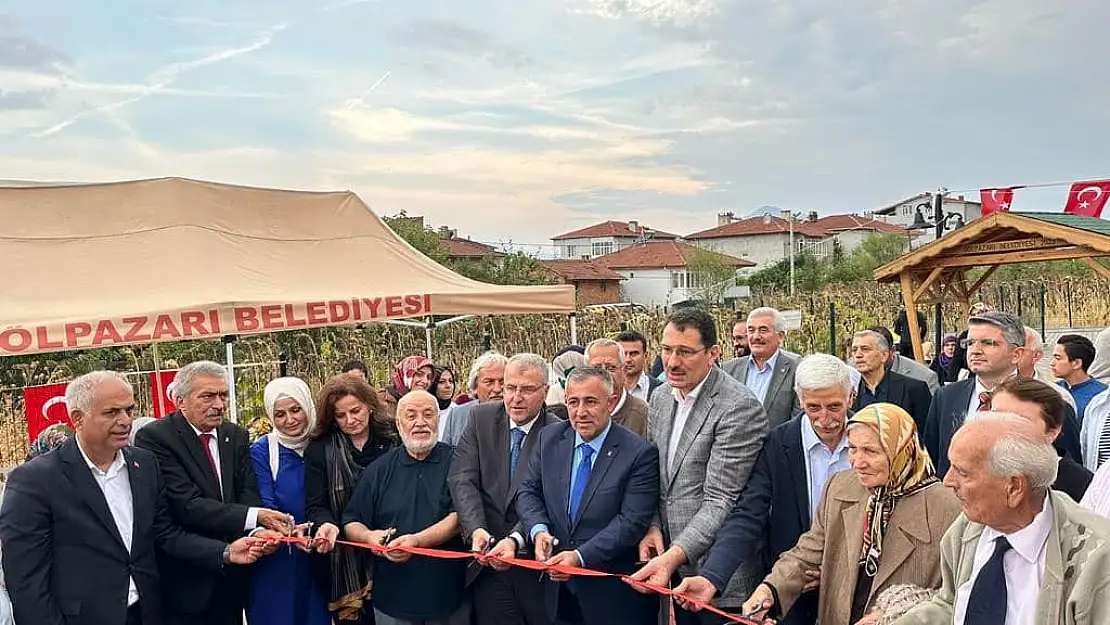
point(158, 380)
point(573, 328)
point(428, 337)
point(229, 351)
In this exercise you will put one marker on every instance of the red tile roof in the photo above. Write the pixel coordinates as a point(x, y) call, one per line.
point(661, 254)
point(465, 248)
point(760, 224)
point(614, 229)
point(570, 269)
point(839, 223)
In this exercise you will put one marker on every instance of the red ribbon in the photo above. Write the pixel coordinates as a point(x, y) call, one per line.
point(534, 565)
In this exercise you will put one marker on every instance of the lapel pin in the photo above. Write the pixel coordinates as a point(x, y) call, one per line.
point(136, 463)
point(227, 440)
point(610, 454)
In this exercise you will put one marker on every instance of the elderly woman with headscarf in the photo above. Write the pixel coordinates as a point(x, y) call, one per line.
point(877, 526)
point(566, 360)
point(353, 430)
point(283, 590)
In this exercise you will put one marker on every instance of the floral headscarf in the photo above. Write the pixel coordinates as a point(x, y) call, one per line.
point(911, 470)
point(49, 439)
point(565, 361)
point(400, 383)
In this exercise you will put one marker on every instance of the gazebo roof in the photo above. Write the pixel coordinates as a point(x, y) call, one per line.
point(1006, 238)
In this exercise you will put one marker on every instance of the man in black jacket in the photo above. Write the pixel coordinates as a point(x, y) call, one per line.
point(870, 353)
point(81, 525)
point(212, 491)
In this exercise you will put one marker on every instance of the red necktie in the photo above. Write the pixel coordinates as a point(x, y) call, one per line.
point(204, 438)
point(984, 401)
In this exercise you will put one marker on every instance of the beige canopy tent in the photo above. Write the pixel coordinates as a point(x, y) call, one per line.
point(96, 265)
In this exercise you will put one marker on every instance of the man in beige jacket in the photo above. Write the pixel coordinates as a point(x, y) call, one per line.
point(1020, 553)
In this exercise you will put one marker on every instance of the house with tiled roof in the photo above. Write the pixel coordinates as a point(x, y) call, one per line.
point(605, 238)
point(593, 283)
point(763, 239)
point(658, 273)
point(458, 248)
point(918, 210)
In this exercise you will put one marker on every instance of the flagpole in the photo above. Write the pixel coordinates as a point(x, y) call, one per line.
point(158, 380)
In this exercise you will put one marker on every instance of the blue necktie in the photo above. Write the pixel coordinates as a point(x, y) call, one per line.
point(514, 449)
point(581, 476)
point(987, 602)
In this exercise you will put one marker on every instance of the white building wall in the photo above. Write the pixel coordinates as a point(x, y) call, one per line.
point(903, 214)
point(762, 249)
point(650, 287)
point(585, 247)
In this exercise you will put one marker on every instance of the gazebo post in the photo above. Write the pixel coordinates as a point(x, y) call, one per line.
point(910, 304)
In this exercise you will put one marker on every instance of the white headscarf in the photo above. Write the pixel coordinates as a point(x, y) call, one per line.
point(1100, 366)
point(298, 391)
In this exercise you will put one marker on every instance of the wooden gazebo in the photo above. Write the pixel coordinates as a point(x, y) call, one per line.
point(937, 272)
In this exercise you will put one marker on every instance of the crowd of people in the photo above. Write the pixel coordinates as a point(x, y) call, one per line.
point(799, 490)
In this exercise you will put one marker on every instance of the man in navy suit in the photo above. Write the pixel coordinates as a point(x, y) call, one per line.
point(995, 345)
point(591, 489)
point(778, 502)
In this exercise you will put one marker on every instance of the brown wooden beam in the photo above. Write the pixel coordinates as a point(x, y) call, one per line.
point(1099, 268)
point(928, 283)
point(1009, 258)
point(909, 301)
point(971, 290)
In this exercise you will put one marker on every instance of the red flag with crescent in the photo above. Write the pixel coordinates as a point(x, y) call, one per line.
point(996, 200)
point(1087, 198)
point(45, 406)
point(167, 395)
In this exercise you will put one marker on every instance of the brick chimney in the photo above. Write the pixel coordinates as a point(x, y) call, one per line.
point(633, 225)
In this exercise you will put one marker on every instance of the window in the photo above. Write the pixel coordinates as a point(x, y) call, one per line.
point(569, 251)
point(678, 279)
point(600, 248)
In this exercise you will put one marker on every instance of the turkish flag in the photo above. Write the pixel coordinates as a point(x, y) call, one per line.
point(167, 396)
point(1087, 198)
point(45, 406)
point(996, 200)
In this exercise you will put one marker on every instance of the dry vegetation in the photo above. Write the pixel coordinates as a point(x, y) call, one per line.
point(314, 355)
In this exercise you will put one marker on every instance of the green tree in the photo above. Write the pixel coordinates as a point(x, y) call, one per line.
point(711, 273)
point(418, 235)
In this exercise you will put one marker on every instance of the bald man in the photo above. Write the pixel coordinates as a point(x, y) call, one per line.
point(382, 511)
point(1016, 538)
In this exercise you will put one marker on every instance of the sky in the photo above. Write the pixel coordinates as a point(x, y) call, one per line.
point(516, 121)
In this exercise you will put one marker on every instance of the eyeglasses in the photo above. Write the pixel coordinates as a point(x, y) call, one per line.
point(985, 343)
point(513, 389)
point(682, 352)
point(609, 368)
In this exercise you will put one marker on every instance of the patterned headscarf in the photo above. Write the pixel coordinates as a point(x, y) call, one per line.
point(49, 439)
point(401, 381)
point(911, 470)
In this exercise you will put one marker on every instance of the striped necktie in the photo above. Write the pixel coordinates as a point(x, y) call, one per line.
point(1103, 443)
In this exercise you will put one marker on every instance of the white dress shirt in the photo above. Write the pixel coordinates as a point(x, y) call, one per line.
point(641, 388)
point(443, 416)
point(116, 486)
point(821, 463)
point(681, 413)
point(214, 447)
point(1024, 566)
point(1097, 497)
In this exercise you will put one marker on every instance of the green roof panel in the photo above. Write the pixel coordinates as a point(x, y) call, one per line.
point(1079, 222)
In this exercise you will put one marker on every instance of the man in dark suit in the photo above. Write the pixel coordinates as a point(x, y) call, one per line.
point(637, 381)
point(767, 371)
point(786, 485)
point(486, 471)
point(212, 491)
point(80, 526)
point(591, 490)
point(995, 343)
point(870, 353)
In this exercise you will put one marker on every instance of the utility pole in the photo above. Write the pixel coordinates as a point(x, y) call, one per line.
point(790, 217)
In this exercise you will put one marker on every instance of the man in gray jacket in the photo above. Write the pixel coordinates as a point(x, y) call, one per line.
point(768, 371)
point(709, 429)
